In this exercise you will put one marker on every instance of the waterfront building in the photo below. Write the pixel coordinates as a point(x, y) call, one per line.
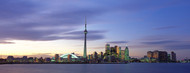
point(10, 59)
point(107, 47)
point(69, 57)
point(73, 57)
point(31, 59)
point(17, 60)
point(119, 53)
point(95, 56)
point(160, 56)
point(24, 59)
point(36, 59)
point(113, 50)
point(122, 54)
point(163, 56)
point(3, 61)
point(173, 56)
point(41, 60)
point(117, 49)
point(127, 58)
point(47, 59)
point(56, 57)
point(150, 54)
point(89, 57)
point(101, 55)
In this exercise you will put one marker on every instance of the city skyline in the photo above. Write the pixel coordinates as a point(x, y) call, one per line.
point(49, 27)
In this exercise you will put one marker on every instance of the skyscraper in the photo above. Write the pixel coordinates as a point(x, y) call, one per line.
point(122, 54)
point(95, 55)
point(150, 54)
point(173, 56)
point(117, 49)
point(56, 57)
point(160, 56)
point(107, 47)
point(119, 52)
point(69, 58)
point(85, 33)
point(126, 54)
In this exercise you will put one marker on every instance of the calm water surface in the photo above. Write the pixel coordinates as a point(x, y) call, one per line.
point(97, 68)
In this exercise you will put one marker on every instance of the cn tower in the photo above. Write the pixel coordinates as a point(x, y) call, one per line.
point(85, 33)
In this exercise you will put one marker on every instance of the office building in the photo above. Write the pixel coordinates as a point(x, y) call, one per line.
point(56, 57)
point(160, 56)
point(127, 58)
point(117, 49)
point(69, 58)
point(107, 47)
point(122, 54)
point(173, 56)
point(10, 59)
point(150, 54)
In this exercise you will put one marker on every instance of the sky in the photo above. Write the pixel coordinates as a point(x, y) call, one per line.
point(47, 27)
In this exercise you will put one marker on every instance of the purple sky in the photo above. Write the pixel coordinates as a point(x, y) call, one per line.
point(141, 24)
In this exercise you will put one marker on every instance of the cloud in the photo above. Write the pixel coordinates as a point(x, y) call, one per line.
point(79, 35)
point(117, 42)
point(164, 42)
point(38, 21)
point(32, 20)
point(96, 47)
point(4, 42)
point(160, 42)
point(177, 46)
point(165, 27)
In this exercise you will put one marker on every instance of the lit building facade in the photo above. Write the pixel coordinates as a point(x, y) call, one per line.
point(127, 58)
point(160, 56)
point(117, 49)
point(122, 54)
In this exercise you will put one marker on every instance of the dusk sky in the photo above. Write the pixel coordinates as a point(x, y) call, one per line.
point(48, 27)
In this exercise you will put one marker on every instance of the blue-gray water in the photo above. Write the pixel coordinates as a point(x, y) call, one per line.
point(97, 68)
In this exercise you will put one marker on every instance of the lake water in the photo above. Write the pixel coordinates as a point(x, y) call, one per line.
point(97, 68)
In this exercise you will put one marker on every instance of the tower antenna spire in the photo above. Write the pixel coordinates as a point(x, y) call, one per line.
point(85, 23)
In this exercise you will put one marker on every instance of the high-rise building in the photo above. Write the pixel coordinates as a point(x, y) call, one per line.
point(91, 57)
point(150, 54)
point(113, 50)
point(69, 58)
point(24, 58)
point(117, 49)
point(173, 56)
point(169, 57)
point(107, 48)
point(163, 56)
point(10, 59)
point(160, 56)
point(56, 57)
point(95, 55)
point(122, 54)
point(127, 58)
point(85, 33)
point(101, 55)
